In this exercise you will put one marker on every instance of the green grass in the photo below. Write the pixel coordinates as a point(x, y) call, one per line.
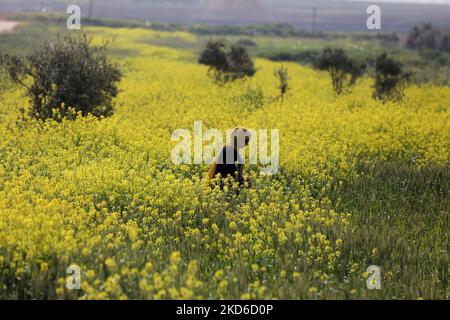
point(295, 45)
point(402, 211)
point(28, 35)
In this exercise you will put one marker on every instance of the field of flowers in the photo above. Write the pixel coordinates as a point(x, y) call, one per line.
point(360, 184)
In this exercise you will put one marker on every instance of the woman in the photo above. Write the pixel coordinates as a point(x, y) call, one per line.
point(229, 162)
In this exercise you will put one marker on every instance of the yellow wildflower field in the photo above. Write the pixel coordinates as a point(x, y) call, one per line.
point(104, 194)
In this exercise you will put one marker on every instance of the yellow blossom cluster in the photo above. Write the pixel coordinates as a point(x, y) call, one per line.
point(105, 195)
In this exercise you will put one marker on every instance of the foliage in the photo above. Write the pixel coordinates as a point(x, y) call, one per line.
point(65, 75)
point(283, 80)
point(390, 79)
point(253, 98)
point(299, 48)
point(344, 71)
point(227, 65)
point(215, 56)
point(428, 37)
point(270, 29)
point(361, 183)
point(246, 43)
point(306, 57)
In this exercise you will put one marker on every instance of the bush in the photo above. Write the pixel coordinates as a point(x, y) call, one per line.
point(215, 55)
point(390, 79)
point(428, 37)
point(267, 30)
point(253, 98)
point(246, 43)
point(240, 62)
point(343, 70)
point(283, 80)
point(4, 81)
point(66, 76)
point(305, 57)
point(227, 65)
point(438, 57)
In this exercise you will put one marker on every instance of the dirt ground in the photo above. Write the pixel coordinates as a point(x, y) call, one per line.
point(7, 26)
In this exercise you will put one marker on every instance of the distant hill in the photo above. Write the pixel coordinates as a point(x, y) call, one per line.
point(238, 11)
point(331, 15)
point(221, 5)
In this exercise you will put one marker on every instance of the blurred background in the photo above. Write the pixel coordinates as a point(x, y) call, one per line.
point(415, 32)
point(327, 15)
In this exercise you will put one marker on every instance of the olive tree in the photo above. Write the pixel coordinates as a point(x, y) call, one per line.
point(343, 70)
point(227, 64)
point(68, 74)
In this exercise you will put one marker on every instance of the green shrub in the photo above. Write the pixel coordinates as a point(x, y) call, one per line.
point(283, 80)
point(428, 37)
point(246, 43)
point(344, 71)
point(253, 98)
point(390, 79)
point(305, 56)
point(64, 76)
point(227, 64)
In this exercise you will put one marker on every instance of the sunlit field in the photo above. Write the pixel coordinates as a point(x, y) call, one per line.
point(360, 183)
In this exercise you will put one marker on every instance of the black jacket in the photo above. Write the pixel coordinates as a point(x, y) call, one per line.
point(230, 163)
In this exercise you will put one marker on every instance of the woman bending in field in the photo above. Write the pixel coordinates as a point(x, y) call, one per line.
point(229, 162)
